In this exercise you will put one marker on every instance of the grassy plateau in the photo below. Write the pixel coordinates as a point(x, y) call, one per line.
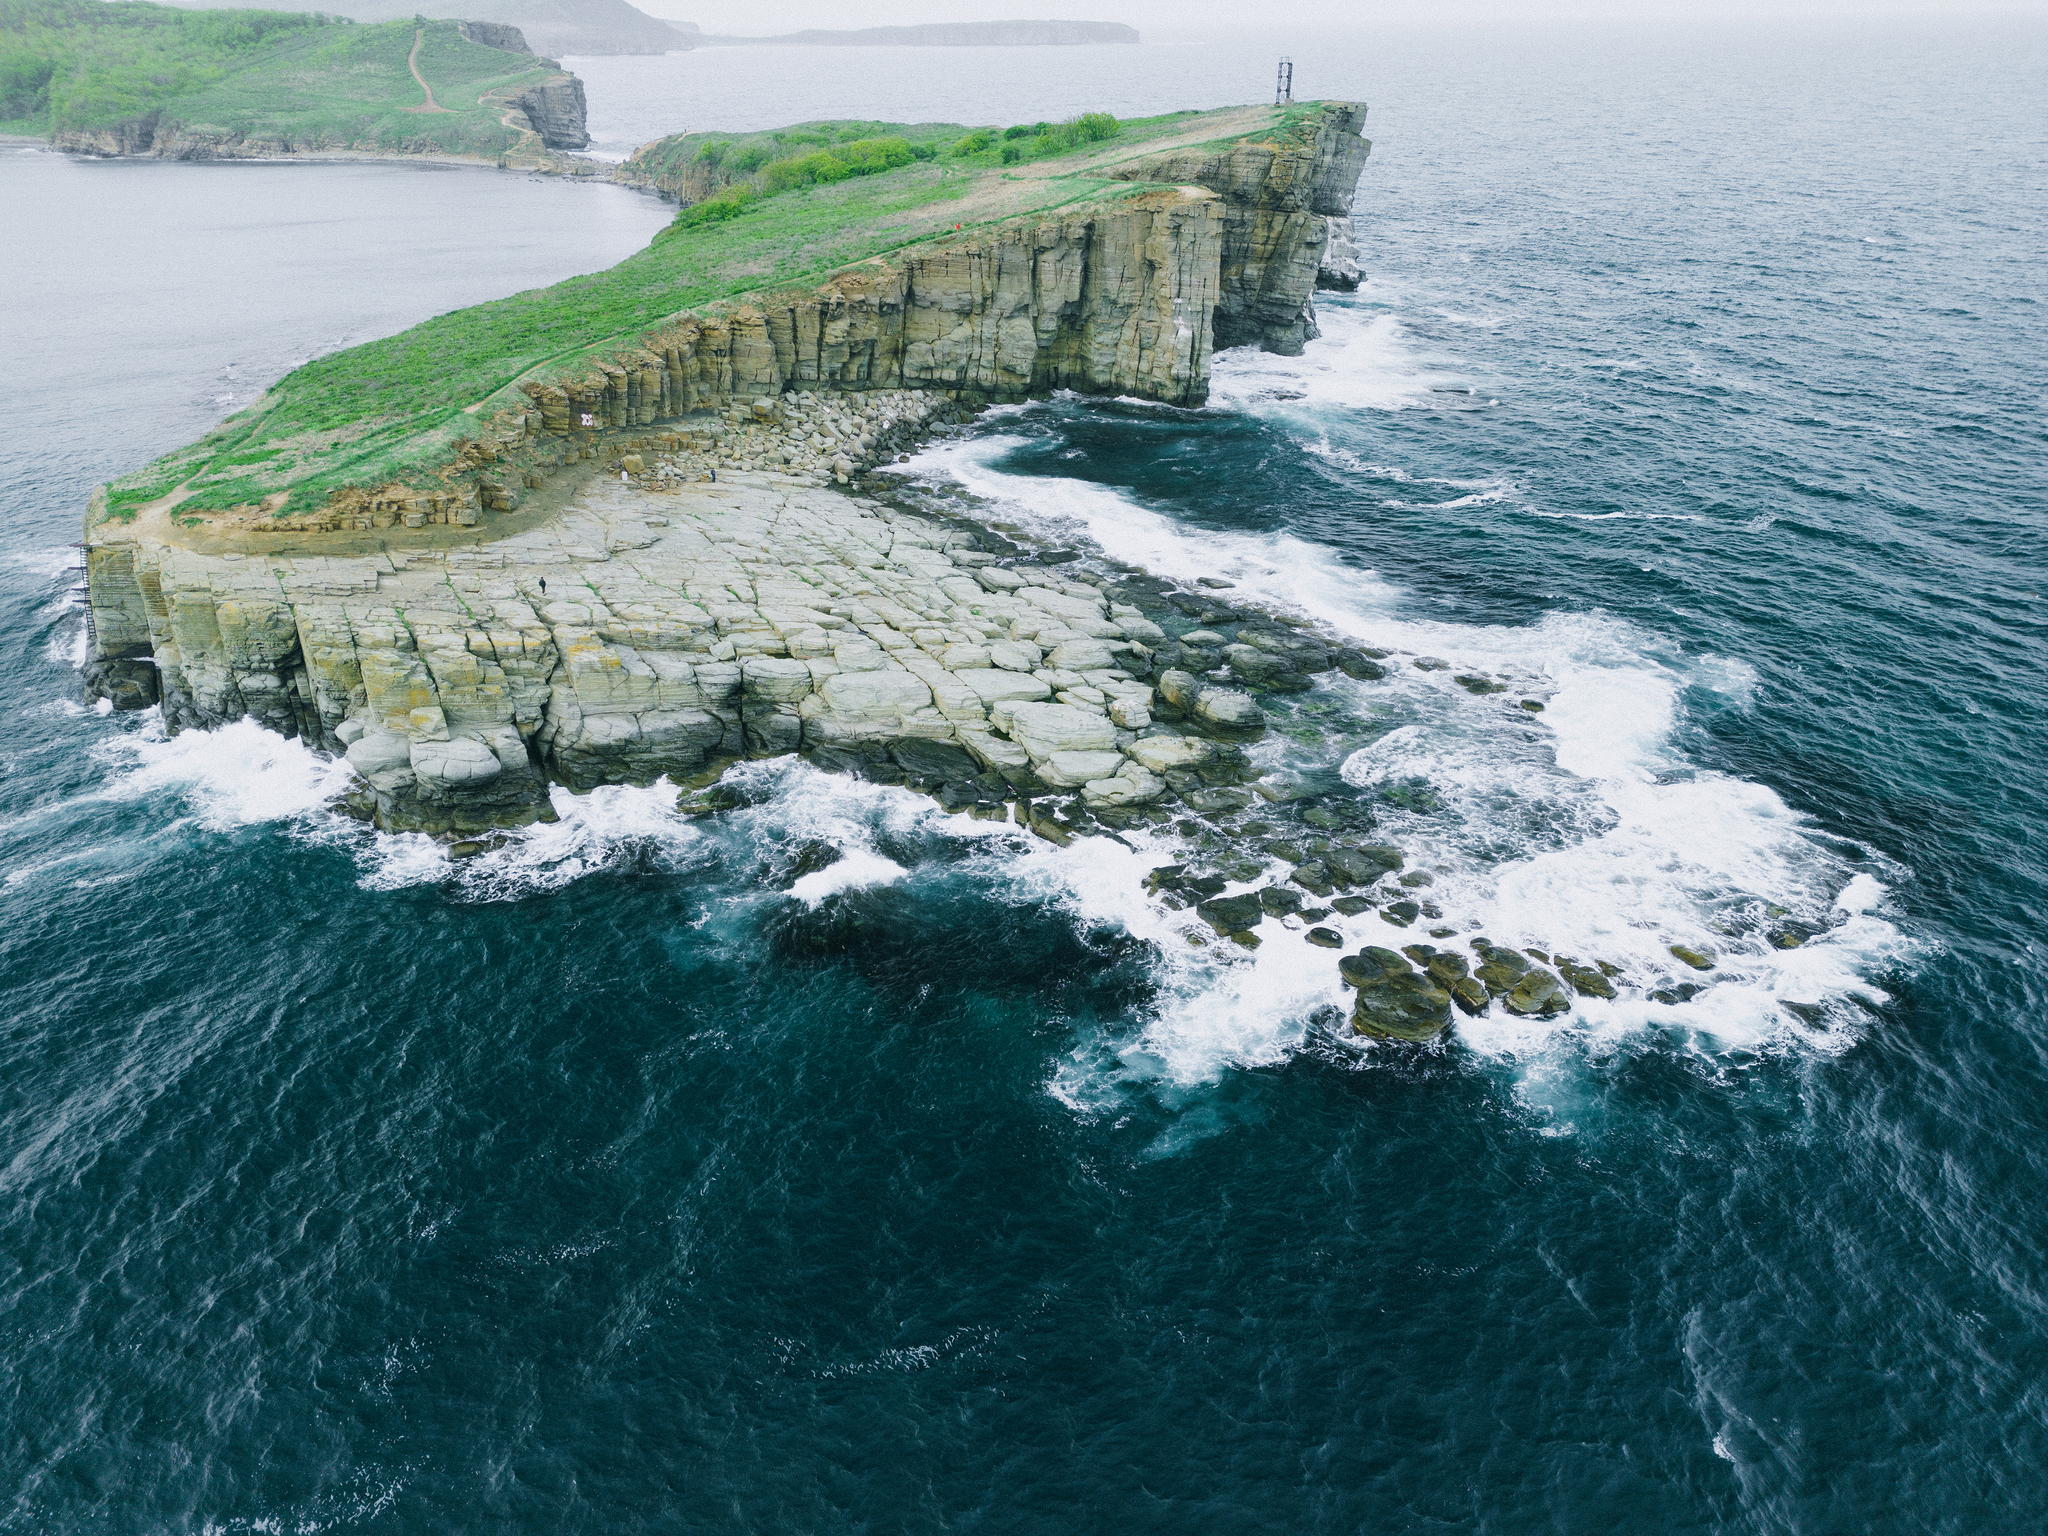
point(400, 407)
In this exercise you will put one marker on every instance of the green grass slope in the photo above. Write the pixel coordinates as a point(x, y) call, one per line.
point(350, 87)
point(94, 63)
point(288, 80)
point(401, 406)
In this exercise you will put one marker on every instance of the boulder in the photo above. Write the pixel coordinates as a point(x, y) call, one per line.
point(458, 761)
point(1698, 959)
point(1179, 689)
point(379, 752)
point(1313, 877)
point(1362, 866)
point(1499, 969)
point(1080, 655)
point(129, 681)
point(1538, 994)
point(1043, 729)
point(995, 684)
point(1395, 1002)
point(1231, 715)
point(1261, 669)
point(1163, 754)
point(1325, 938)
point(1130, 785)
point(1071, 770)
point(1280, 901)
point(1586, 980)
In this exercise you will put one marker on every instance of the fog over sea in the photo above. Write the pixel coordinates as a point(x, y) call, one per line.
point(580, 1186)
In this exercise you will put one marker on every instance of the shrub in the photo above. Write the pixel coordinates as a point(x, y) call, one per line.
point(975, 142)
point(728, 203)
point(863, 157)
point(710, 154)
point(1094, 127)
point(1022, 131)
point(1012, 153)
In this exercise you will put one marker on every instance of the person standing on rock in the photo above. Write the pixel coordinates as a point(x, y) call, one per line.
point(543, 586)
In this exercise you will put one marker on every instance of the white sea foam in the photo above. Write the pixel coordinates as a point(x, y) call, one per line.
point(1582, 830)
point(1364, 360)
point(236, 775)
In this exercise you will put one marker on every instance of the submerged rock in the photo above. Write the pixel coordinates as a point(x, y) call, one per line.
point(1231, 914)
point(1698, 959)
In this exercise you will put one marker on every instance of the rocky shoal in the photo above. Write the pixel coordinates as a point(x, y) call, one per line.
point(712, 595)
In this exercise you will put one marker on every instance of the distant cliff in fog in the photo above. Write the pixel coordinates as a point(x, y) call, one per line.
point(949, 34)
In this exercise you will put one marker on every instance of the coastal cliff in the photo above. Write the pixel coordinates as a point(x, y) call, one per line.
point(1278, 199)
point(355, 620)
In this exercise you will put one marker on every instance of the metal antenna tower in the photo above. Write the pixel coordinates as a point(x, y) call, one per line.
point(1283, 86)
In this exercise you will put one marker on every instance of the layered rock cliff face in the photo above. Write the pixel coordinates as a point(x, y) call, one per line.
point(556, 110)
point(1279, 195)
point(1114, 299)
point(1279, 199)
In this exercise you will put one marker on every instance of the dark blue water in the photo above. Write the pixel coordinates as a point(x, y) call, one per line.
point(597, 1185)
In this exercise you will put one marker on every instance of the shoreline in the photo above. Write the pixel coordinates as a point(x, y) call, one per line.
point(663, 625)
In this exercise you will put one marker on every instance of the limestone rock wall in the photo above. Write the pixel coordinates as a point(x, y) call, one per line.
point(1279, 195)
point(1116, 300)
point(556, 110)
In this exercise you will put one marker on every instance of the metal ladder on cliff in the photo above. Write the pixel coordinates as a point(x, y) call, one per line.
point(84, 590)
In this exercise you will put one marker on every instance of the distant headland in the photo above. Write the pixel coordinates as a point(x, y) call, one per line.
point(115, 77)
point(946, 34)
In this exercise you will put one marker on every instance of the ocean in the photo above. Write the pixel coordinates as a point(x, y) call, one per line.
point(602, 1182)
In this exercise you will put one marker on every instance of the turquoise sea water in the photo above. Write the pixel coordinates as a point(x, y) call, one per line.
point(600, 1185)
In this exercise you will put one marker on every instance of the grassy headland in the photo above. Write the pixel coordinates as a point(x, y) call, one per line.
point(292, 80)
point(398, 407)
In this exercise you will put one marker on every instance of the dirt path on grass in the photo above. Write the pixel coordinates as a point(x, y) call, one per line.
point(412, 62)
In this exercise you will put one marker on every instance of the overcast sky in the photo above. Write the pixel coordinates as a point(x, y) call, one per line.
point(1166, 20)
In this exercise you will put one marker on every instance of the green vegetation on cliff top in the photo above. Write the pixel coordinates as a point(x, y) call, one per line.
point(401, 406)
point(294, 80)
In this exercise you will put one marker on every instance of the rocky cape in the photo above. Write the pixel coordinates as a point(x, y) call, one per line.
point(685, 558)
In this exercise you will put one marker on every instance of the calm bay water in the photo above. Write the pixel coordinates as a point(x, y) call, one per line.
point(588, 1186)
